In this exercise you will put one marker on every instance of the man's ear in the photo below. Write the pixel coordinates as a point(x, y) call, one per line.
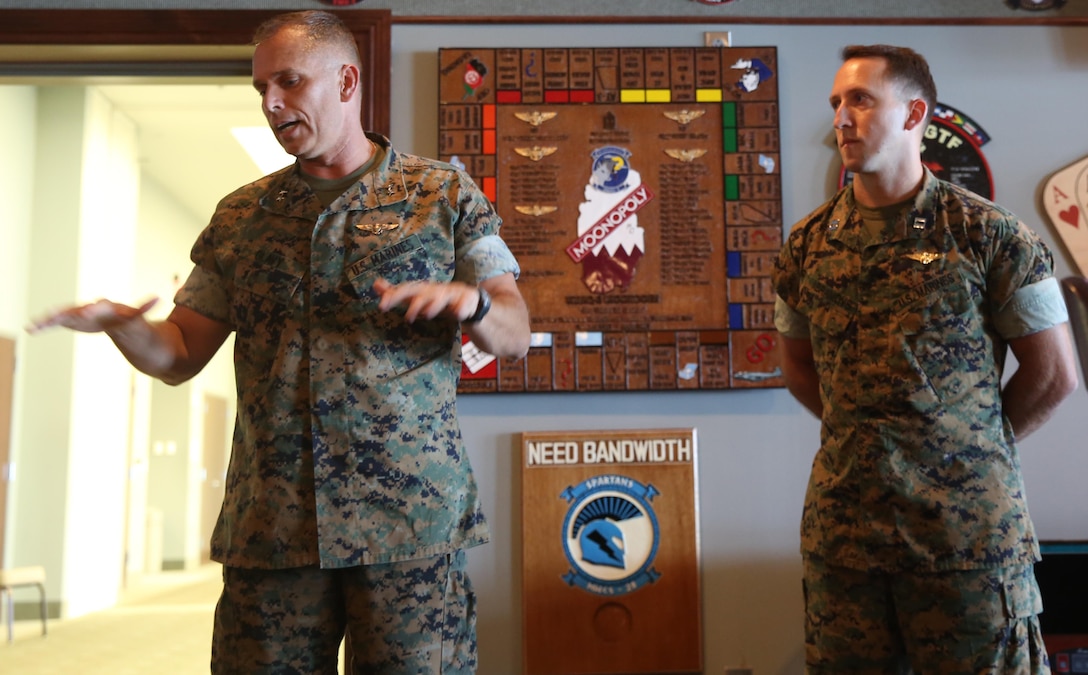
point(349, 81)
point(917, 113)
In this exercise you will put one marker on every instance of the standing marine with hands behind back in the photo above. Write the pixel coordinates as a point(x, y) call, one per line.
point(897, 301)
point(347, 279)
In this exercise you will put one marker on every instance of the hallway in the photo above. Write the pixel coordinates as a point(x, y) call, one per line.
point(164, 625)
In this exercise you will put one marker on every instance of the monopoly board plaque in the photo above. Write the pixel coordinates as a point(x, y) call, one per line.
point(610, 552)
point(641, 193)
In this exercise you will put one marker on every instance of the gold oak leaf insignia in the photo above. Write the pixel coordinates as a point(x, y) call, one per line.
point(535, 153)
point(535, 118)
point(535, 209)
point(685, 116)
point(685, 155)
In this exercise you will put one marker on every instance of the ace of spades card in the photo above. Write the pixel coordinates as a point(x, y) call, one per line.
point(1065, 199)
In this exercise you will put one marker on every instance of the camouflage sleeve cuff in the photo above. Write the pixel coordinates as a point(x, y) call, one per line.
point(484, 258)
point(1031, 309)
point(203, 293)
point(789, 321)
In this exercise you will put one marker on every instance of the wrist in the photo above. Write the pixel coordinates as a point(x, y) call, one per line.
point(483, 306)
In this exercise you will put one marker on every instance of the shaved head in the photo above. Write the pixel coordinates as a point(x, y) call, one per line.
point(321, 29)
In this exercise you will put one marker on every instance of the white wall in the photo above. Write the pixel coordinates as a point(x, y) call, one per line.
point(18, 110)
point(101, 380)
point(69, 488)
point(166, 234)
point(69, 454)
point(1024, 85)
point(80, 408)
point(709, 10)
point(44, 390)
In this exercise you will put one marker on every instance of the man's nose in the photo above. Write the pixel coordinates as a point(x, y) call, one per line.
point(271, 101)
point(842, 117)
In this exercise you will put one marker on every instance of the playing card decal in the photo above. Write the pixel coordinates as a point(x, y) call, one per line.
point(1065, 200)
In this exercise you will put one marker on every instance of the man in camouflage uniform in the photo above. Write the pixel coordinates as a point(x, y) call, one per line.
point(347, 279)
point(897, 302)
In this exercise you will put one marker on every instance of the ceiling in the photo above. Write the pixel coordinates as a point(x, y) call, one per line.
point(184, 137)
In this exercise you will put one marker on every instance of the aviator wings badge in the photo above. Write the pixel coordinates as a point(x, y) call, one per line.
point(376, 228)
point(924, 257)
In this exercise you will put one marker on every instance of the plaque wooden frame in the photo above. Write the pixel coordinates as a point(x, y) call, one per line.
point(656, 276)
point(610, 552)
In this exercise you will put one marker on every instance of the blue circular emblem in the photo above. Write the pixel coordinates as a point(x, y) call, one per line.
point(610, 169)
point(610, 535)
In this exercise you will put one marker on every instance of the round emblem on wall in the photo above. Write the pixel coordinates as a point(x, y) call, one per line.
point(952, 149)
point(610, 535)
point(1035, 5)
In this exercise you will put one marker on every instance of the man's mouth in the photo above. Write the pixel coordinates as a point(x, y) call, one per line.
point(285, 126)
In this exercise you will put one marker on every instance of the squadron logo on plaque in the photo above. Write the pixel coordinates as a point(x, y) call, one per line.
point(610, 242)
point(610, 535)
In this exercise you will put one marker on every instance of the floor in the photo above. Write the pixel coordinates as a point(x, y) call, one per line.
point(163, 625)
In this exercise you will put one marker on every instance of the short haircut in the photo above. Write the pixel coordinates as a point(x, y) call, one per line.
point(322, 28)
point(905, 67)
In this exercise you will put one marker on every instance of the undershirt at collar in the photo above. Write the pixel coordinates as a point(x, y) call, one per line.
point(328, 189)
point(880, 219)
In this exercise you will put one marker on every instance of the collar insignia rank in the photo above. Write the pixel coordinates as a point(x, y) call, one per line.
point(376, 228)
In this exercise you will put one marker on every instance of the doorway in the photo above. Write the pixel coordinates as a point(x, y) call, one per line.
point(176, 45)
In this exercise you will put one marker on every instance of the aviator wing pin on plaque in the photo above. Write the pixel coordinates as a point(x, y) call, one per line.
point(535, 118)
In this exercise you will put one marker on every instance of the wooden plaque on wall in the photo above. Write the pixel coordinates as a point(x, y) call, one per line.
point(610, 559)
point(640, 190)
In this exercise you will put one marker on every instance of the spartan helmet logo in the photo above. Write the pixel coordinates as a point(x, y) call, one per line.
point(602, 543)
point(610, 535)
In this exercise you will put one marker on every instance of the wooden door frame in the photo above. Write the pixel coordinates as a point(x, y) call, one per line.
point(138, 27)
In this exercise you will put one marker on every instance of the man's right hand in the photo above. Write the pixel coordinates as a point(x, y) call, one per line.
point(96, 317)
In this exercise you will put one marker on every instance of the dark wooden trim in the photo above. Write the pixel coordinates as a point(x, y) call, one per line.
point(1032, 20)
point(372, 29)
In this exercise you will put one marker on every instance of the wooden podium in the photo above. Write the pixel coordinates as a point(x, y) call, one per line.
point(610, 560)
